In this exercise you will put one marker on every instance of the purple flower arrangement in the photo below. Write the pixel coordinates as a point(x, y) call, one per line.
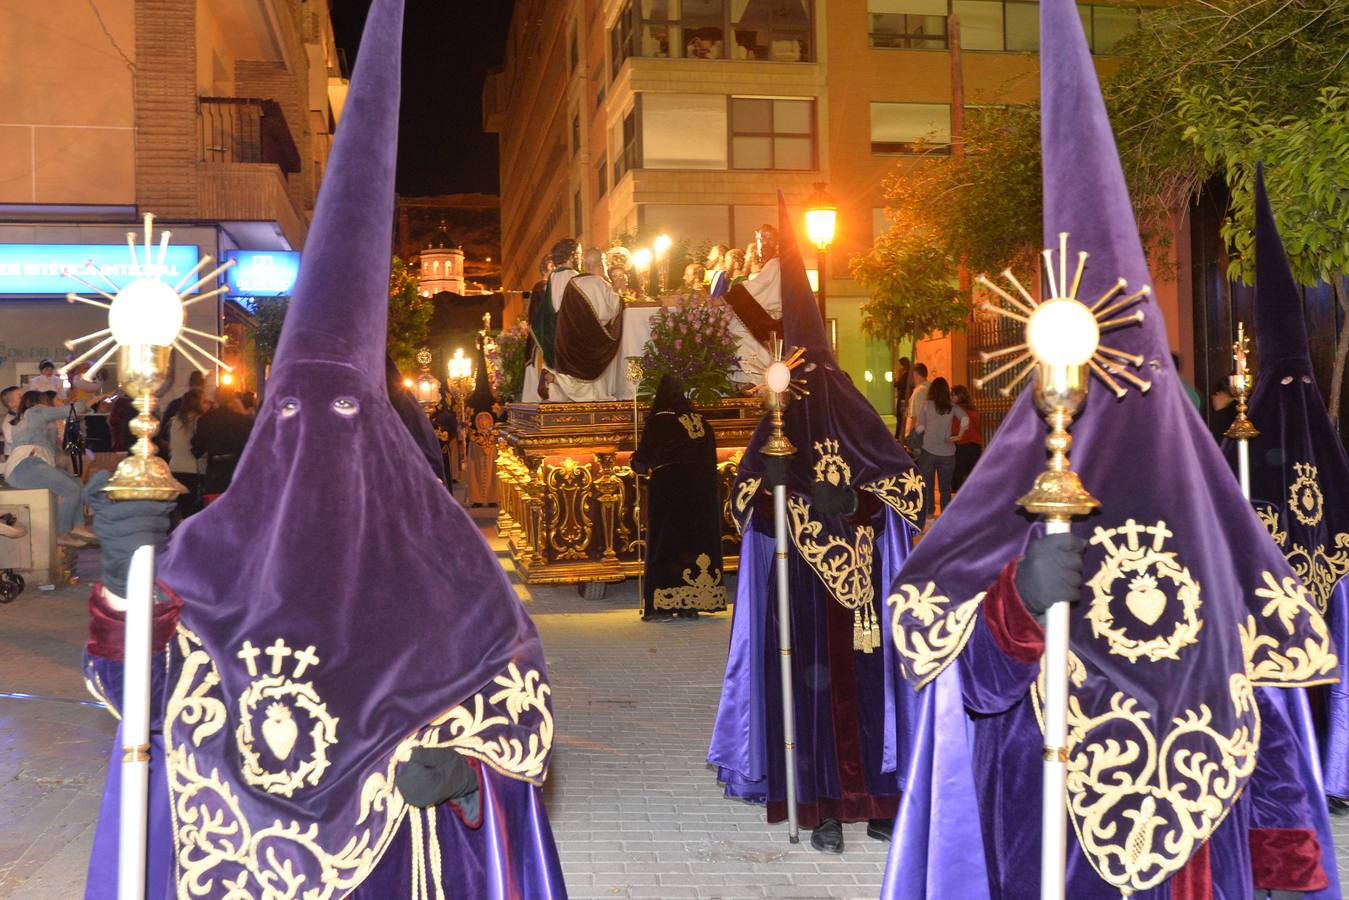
point(692, 341)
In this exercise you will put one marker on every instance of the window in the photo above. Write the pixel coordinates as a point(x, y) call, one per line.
point(683, 131)
point(598, 77)
point(621, 41)
point(577, 210)
point(575, 133)
point(1108, 26)
point(980, 24)
point(749, 218)
point(625, 141)
point(908, 24)
point(602, 177)
point(778, 30)
point(692, 222)
point(574, 52)
point(772, 134)
point(1023, 27)
point(910, 127)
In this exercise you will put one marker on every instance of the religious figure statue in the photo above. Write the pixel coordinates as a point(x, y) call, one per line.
point(589, 330)
point(757, 305)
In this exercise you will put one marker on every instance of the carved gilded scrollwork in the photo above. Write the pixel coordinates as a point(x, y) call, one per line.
point(609, 494)
point(569, 520)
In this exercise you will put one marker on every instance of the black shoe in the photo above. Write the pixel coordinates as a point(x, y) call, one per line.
point(880, 829)
point(828, 837)
point(1338, 807)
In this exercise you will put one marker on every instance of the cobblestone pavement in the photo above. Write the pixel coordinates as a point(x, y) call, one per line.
point(635, 810)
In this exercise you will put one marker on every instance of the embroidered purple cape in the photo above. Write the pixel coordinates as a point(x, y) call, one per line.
point(1299, 472)
point(847, 722)
point(1188, 605)
point(339, 606)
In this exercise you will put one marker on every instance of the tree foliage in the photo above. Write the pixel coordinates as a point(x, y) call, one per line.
point(409, 316)
point(269, 314)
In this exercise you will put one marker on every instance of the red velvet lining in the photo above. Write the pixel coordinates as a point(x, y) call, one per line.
point(106, 625)
point(482, 796)
point(1287, 859)
point(1194, 881)
point(1011, 624)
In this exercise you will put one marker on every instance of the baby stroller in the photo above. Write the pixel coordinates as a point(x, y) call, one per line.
point(11, 582)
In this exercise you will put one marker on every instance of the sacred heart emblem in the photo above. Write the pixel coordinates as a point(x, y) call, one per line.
point(1309, 500)
point(1145, 600)
point(280, 730)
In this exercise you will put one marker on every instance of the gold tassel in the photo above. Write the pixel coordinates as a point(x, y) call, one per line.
point(875, 627)
point(858, 637)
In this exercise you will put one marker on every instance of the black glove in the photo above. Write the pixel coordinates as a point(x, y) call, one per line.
point(436, 774)
point(839, 499)
point(1050, 572)
point(776, 469)
point(121, 528)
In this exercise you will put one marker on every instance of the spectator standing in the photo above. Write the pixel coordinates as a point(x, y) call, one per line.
point(903, 387)
point(936, 440)
point(970, 445)
point(9, 399)
point(219, 441)
point(195, 382)
point(1224, 411)
point(182, 426)
point(47, 379)
point(917, 397)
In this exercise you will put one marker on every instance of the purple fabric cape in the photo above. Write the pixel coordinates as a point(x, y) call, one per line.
point(1227, 606)
point(1299, 471)
point(747, 737)
point(340, 607)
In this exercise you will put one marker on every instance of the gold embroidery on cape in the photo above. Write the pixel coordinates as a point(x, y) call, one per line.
point(943, 629)
point(1304, 495)
point(831, 468)
point(1142, 803)
point(845, 569)
point(1270, 660)
point(282, 698)
point(219, 852)
point(902, 493)
point(1319, 570)
point(703, 591)
point(1145, 565)
point(693, 424)
point(744, 495)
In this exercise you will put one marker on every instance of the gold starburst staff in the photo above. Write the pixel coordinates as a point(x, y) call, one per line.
point(1242, 430)
point(1063, 348)
point(777, 387)
point(145, 324)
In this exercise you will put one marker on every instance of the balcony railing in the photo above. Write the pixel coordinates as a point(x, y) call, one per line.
point(246, 130)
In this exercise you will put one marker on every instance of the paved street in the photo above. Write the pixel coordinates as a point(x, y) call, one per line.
point(635, 810)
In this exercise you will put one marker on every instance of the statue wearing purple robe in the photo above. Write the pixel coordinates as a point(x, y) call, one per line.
point(349, 699)
point(1192, 770)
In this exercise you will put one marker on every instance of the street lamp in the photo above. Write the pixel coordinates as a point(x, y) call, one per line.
point(821, 218)
point(426, 387)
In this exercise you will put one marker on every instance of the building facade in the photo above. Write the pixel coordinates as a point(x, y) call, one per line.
point(634, 117)
point(215, 115)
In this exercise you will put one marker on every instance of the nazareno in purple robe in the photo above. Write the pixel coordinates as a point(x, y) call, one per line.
point(850, 706)
point(336, 609)
point(1299, 471)
point(1190, 761)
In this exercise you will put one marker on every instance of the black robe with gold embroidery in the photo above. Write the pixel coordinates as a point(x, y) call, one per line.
point(683, 561)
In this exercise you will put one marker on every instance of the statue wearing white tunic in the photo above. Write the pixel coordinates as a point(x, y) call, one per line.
point(757, 308)
point(589, 331)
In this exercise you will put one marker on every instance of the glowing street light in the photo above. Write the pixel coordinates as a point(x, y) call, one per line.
point(821, 220)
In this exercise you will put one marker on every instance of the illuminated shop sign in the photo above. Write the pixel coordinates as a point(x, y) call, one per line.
point(262, 273)
point(41, 268)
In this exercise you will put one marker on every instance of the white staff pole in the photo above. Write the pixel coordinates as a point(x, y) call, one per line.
point(1054, 815)
point(785, 653)
point(1242, 429)
point(133, 819)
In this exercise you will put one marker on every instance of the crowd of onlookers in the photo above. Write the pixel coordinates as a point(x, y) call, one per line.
point(54, 426)
point(939, 426)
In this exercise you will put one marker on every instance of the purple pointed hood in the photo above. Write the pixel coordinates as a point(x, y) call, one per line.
point(1299, 471)
point(337, 600)
point(1178, 618)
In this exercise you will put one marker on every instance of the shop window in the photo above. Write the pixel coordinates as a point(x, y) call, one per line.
point(910, 127)
point(907, 24)
point(772, 133)
point(683, 131)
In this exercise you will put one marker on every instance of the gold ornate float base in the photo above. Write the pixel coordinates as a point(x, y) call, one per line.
point(569, 503)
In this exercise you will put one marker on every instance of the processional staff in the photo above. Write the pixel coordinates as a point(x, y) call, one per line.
point(1242, 430)
point(145, 325)
point(1063, 348)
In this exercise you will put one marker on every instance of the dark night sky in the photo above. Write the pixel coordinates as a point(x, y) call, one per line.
point(447, 49)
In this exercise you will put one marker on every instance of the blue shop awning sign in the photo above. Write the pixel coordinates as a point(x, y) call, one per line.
point(42, 269)
point(262, 273)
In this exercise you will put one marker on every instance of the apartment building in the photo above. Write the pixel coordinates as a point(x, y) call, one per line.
point(215, 115)
point(627, 117)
